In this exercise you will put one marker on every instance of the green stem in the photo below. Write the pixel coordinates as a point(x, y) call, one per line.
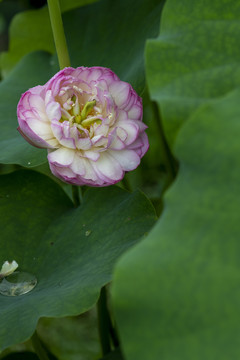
point(103, 322)
point(77, 195)
point(38, 347)
point(126, 184)
point(58, 33)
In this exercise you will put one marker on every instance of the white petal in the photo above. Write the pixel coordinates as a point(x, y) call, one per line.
point(53, 110)
point(122, 134)
point(42, 129)
point(68, 143)
point(64, 172)
point(99, 141)
point(108, 167)
point(117, 144)
point(92, 155)
point(131, 129)
point(37, 102)
point(114, 142)
point(83, 167)
point(53, 142)
point(128, 159)
point(90, 174)
point(84, 143)
point(61, 156)
point(78, 165)
point(57, 129)
point(101, 129)
point(48, 97)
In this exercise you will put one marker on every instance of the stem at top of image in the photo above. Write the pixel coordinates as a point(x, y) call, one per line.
point(58, 33)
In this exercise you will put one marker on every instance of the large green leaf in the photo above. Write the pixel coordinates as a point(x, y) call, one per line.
point(70, 251)
point(195, 59)
point(67, 5)
point(35, 69)
point(177, 294)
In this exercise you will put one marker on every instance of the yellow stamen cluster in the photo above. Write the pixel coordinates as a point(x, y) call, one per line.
point(79, 116)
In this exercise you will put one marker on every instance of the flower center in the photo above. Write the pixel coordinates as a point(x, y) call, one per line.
point(84, 116)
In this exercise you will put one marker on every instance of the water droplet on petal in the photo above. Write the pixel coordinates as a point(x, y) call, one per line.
point(88, 232)
point(18, 283)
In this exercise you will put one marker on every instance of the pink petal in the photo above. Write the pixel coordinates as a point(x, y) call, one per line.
point(37, 102)
point(135, 113)
point(145, 147)
point(64, 173)
point(120, 91)
point(32, 138)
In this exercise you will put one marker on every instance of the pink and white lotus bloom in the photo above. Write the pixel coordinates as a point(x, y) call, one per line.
point(90, 122)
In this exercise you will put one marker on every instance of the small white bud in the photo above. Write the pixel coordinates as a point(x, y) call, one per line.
point(8, 268)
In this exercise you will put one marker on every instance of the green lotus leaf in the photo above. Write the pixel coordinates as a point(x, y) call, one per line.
point(194, 60)
point(71, 251)
point(176, 294)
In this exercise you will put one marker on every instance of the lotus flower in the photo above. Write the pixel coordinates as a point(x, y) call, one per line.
point(90, 122)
